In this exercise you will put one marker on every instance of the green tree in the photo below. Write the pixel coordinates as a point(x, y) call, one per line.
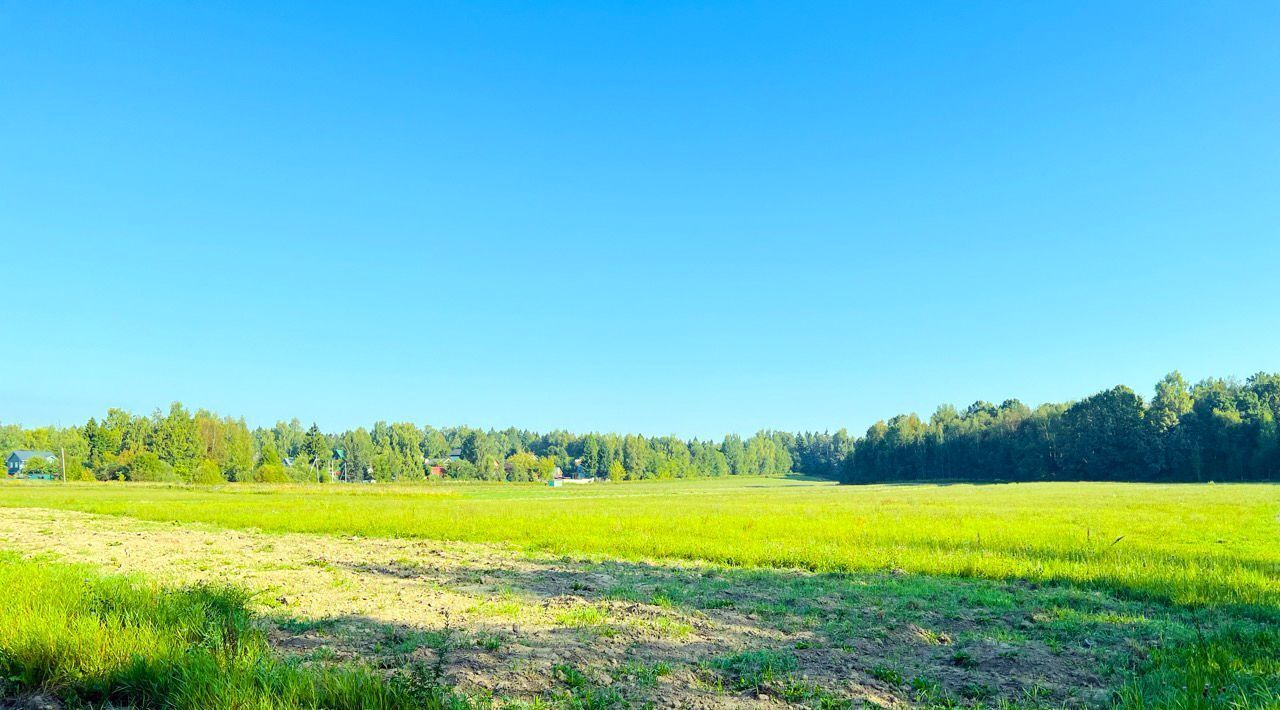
point(360, 454)
point(1106, 437)
point(1171, 402)
point(237, 461)
point(477, 449)
point(175, 440)
point(617, 472)
point(522, 466)
point(317, 451)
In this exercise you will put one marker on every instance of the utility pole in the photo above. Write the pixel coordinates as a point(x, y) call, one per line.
point(63, 451)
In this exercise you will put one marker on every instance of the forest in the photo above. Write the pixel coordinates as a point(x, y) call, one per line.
point(1217, 429)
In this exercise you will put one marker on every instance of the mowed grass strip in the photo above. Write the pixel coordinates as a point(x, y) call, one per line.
point(1197, 545)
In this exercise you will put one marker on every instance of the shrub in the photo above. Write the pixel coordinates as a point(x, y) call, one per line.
point(271, 473)
point(41, 467)
point(207, 472)
point(146, 466)
point(463, 469)
point(77, 472)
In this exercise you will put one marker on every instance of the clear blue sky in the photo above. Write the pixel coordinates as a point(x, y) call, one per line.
point(631, 216)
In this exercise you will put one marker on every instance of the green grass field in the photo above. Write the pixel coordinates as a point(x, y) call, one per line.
point(1204, 560)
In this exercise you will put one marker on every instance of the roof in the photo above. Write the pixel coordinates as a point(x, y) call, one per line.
point(24, 454)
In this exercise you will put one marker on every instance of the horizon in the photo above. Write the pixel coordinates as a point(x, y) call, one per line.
point(596, 217)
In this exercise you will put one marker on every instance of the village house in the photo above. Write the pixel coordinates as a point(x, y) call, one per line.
point(19, 458)
point(578, 475)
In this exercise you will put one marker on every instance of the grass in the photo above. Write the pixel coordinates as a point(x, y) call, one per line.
point(1194, 570)
point(91, 639)
point(1184, 544)
point(755, 670)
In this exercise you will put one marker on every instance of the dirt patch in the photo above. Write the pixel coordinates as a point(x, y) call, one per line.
point(505, 624)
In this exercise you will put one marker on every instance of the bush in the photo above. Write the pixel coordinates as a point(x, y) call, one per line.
point(522, 466)
point(77, 472)
point(147, 466)
point(114, 471)
point(207, 473)
point(271, 473)
point(41, 467)
point(462, 469)
point(303, 472)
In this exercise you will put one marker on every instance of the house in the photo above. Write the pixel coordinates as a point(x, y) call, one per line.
point(18, 459)
point(455, 454)
point(558, 478)
point(435, 471)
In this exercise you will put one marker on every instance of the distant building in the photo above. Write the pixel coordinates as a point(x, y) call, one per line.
point(558, 478)
point(18, 459)
point(454, 454)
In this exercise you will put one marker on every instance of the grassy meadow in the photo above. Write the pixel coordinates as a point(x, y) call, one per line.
point(1189, 575)
point(1183, 543)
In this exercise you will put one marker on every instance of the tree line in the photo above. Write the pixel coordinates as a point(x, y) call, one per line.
point(1218, 429)
point(202, 447)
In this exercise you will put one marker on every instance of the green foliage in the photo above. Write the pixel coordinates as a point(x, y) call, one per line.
point(147, 466)
point(270, 457)
point(616, 471)
point(316, 449)
point(479, 451)
point(207, 473)
point(271, 473)
point(76, 471)
point(1218, 430)
point(39, 466)
point(175, 440)
point(522, 466)
point(462, 470)
point(1104, 438)
point(545, 468)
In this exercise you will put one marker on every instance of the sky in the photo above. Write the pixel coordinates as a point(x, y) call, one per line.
point(688, 218)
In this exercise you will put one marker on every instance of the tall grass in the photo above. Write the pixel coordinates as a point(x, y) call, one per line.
point(1195, 545)
point(92, 639)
